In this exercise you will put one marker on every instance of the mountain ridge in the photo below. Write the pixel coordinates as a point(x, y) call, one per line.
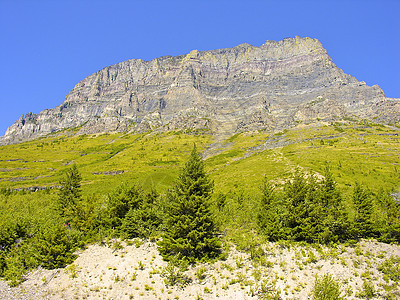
point(244, 88)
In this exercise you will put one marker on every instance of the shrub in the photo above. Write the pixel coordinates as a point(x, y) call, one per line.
point(14, 269)
point(174, 273)
point(72, 270)
point(391, 268)
point(368, 291)
point(326, 288)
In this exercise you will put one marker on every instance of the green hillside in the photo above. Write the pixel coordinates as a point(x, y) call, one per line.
point(363, 152)
point(125, 179)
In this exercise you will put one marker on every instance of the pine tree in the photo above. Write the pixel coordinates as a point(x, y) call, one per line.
point(53, 246)
point(315, 209)
point(268, 217)
point(70, 194)
point(297, 191)
point(333, 214)
point(190, 230)
point(119, 202)
point(312, 223)
point(363, 222)
point(389, 217)
point(143, 220)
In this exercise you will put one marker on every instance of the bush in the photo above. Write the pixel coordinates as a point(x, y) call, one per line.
point(326, 288)
point(14, 269)
point(368, 291)
point(174, 273)
point(391, 268)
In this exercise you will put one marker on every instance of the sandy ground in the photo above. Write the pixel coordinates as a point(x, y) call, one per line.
point(135, 270)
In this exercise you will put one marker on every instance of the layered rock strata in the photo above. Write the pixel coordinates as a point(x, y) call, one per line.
point(274, 86)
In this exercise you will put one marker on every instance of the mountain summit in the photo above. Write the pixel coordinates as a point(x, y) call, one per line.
point(272, 87)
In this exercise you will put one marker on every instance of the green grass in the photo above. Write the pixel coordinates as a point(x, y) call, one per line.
point(363, 152)
point(152, 159)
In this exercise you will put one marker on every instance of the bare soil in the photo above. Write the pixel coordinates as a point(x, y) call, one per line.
point(135, 270)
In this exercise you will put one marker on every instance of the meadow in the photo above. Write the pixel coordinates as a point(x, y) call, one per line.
point(355, 151)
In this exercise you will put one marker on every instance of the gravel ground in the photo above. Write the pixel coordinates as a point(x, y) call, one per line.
point(135, 270)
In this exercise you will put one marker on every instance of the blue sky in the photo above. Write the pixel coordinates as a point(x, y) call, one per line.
point(49, 46)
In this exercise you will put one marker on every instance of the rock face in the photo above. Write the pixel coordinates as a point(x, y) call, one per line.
point(274, 86)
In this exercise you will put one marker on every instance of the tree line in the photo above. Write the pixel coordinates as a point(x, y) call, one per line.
point(315, 211)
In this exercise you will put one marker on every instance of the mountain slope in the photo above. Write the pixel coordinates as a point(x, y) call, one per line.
point(356, 151)
point(244, 88)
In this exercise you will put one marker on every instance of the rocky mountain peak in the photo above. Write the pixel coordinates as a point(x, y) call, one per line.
point(274, 86)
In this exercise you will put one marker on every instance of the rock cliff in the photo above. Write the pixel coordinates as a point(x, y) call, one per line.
point(274, 86)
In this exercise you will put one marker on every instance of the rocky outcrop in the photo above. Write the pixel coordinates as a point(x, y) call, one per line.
point(273, 86)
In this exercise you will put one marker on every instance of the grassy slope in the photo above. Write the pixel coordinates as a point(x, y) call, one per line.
point(361, 152)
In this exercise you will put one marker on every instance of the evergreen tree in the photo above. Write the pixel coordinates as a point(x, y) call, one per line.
point(335, 221)
point(312, 223)
point(190, 229)
point(268, 217)
point(54, 246)
point(389, 218)
point(363, 222)
point(87, 214)
point(70, 194)
point(307, 209)
point(315, 209)
point(296, 192)
point(143, 220)
point(119, 202)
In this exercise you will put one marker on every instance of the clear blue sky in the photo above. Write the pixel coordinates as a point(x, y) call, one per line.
point(48, 46)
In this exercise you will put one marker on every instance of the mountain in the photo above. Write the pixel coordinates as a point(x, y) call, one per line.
point(273, 87)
